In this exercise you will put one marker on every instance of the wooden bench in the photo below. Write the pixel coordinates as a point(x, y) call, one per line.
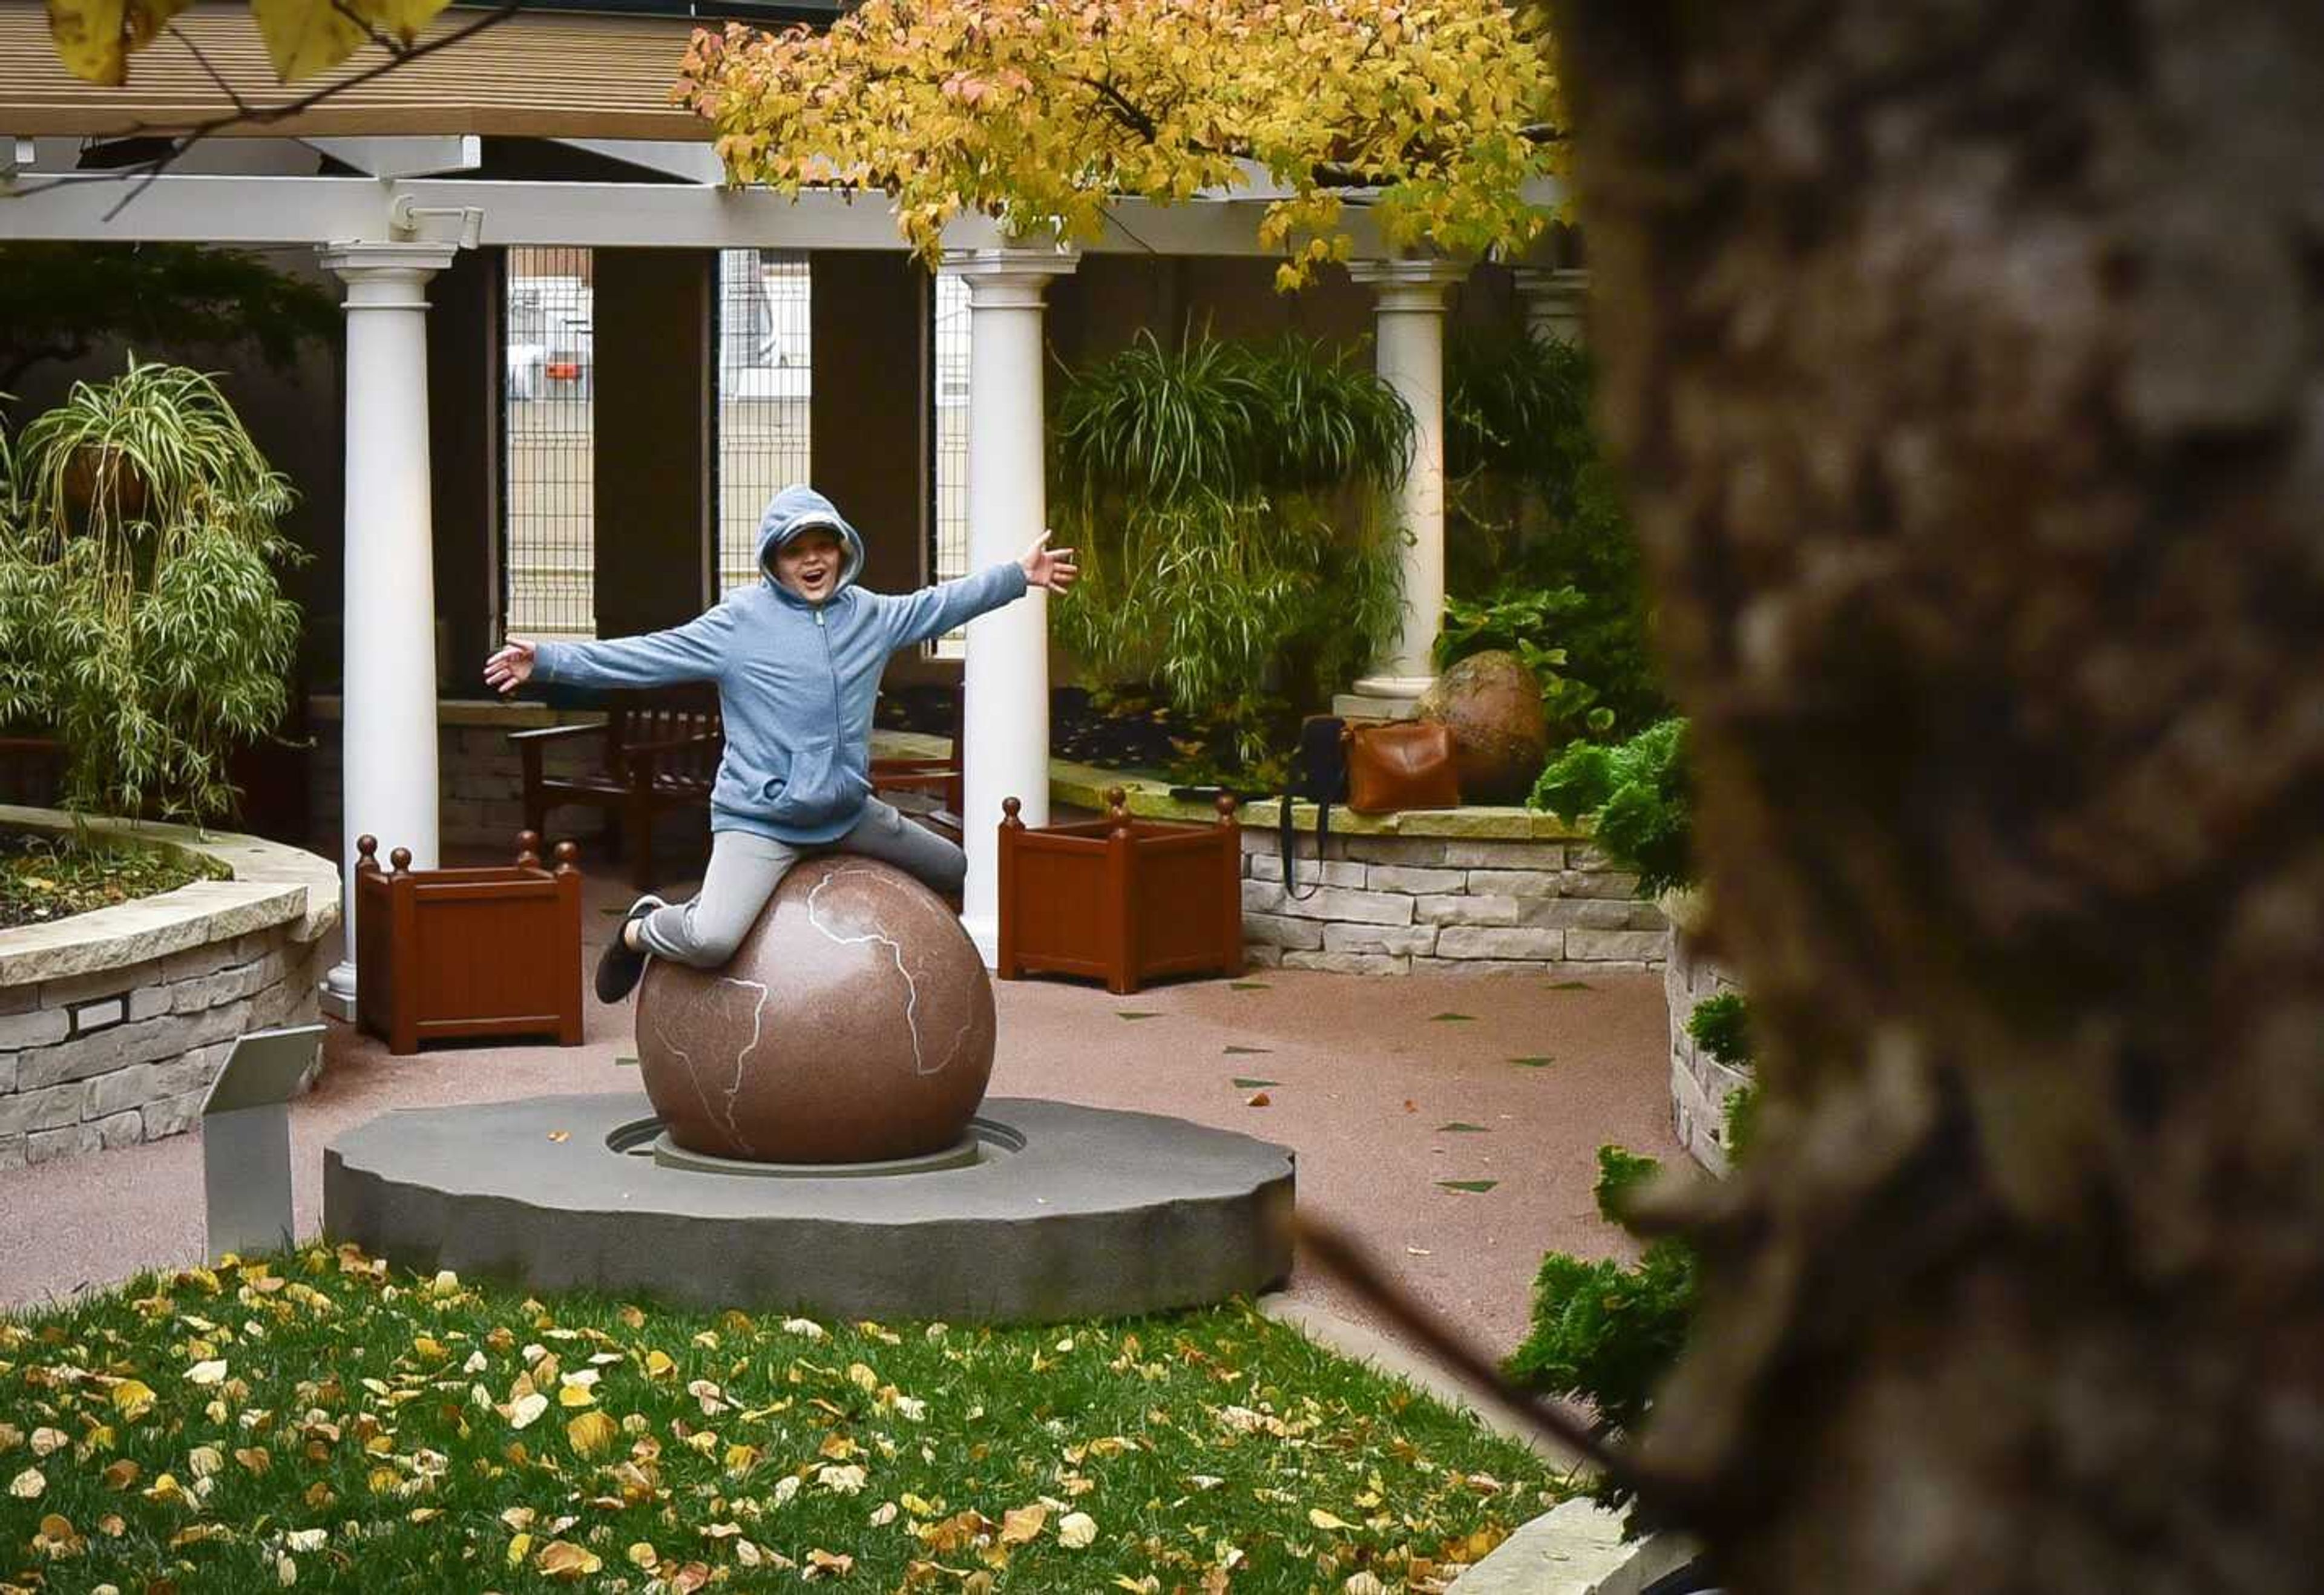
point(938, 777)
point(659, 753)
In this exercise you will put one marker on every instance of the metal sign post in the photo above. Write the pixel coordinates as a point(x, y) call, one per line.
point(247, 1140)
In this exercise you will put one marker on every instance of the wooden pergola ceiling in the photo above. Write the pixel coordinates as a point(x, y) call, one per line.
point(548, 75)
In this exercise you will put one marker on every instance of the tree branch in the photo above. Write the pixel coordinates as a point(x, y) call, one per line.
point(244, 114)
point(1330, 1247)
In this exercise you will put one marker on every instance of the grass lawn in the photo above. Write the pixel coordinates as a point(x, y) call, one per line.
point(317, 1420)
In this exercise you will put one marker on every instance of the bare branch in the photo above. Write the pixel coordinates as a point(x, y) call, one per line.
point(1327, 1245)
point(246, 115)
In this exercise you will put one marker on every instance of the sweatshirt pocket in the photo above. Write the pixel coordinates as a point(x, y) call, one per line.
point(816, 789)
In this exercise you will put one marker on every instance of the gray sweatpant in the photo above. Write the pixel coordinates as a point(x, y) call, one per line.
point(745, 869)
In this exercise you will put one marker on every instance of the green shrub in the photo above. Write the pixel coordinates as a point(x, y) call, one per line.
point(1637, 797)
point(1738, 1121)
point(1516, 619)
point(1605, 1332)
point(1720, 1025)
point(1229, 502)
point(140, 617)
point(1535, 512)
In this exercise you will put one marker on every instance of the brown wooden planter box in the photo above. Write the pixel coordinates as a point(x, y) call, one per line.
point(1125, 901)
point(486, 952)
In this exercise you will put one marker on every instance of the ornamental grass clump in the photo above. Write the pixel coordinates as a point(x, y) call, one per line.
point(1230, 501)
point(141, 619)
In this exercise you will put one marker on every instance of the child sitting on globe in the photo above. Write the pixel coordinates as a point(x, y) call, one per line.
point(797, 659)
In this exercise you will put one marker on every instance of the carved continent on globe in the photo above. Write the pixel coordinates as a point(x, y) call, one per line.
point(1491, 703)
point(853, 1024)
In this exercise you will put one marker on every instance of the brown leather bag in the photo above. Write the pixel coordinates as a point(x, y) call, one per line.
point(1401, 764)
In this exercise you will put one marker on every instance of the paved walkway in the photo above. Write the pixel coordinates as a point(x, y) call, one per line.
point(1364, 1075)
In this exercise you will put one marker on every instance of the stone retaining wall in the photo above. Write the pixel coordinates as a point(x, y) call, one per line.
point(1699, 1084)
point(113, 1023)
point(1409, 903)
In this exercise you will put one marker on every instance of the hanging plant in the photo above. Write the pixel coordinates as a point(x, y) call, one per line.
point(141, 620)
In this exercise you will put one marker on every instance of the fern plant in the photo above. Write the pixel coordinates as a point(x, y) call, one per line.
point(1229, 503)
point(1636, 796)
point(141, 619)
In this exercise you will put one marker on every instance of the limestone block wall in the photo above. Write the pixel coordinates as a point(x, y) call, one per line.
point(1407, 903)
point(1699, 1084)
point(113, 1023)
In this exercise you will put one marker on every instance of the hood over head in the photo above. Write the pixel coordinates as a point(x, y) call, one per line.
point(797, 509)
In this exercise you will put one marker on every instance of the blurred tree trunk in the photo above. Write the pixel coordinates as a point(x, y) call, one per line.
point(1968, 359)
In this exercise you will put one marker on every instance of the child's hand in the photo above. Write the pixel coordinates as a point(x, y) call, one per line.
point(511, 667)
point(1044, 567)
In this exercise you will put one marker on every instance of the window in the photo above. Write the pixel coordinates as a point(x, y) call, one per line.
point(765, 386)
point(948, 399)
point(548, 506)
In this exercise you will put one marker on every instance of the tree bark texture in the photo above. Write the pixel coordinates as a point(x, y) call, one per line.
point(1968, 360)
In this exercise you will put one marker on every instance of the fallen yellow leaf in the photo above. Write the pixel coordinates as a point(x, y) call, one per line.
point(1077, 1530)
point(28, 1485)
point(563, 1560)
point(519, 1549)
point(210, 1373)
point(1020, 1525)
point(122, 1474)
point(133, 1399)
point(593, 1433)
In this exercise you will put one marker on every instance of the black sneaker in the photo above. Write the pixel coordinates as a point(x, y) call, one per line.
point(619, 969)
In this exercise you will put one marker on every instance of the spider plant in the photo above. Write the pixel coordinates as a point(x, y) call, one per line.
point(141, 620)
point(130, 463)
point(1230, 503)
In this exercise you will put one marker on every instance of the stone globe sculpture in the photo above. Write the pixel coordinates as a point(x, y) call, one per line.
point(853, 1025)
point(1491, 703)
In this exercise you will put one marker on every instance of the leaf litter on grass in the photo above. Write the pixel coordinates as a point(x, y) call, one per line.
point(320, 1418)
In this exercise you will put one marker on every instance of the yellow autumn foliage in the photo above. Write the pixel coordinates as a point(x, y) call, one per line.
point(1040, 112)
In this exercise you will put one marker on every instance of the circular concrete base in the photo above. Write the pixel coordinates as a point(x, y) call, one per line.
point(969, 1149)
point(1069, 1211)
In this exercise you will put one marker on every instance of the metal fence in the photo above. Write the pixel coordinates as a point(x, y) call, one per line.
point(548, 489)
point(765, 388)
point(948, 397)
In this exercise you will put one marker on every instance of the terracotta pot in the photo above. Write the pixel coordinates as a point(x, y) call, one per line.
point(1491, 703)
point(87, 475)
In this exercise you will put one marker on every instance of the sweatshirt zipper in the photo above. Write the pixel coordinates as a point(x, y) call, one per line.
point(830, 666)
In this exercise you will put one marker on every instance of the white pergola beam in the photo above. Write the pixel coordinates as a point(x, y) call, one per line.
point(198, 209)
point(696, 162)
point(404, 157)
point(324, 210)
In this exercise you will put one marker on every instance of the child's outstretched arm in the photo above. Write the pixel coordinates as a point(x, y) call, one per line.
point(695, 651)
point(931, 612)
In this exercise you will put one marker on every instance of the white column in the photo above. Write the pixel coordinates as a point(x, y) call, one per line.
point(1553, 301)
point(1410, 339)
point(1005, 741)
point(388, 702)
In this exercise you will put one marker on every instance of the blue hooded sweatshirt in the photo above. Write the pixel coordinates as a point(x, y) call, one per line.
point(796, 681)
